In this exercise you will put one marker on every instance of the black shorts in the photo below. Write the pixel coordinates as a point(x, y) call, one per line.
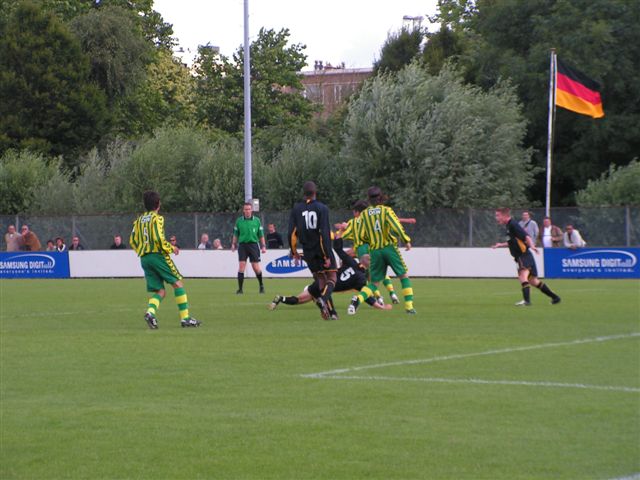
point(250, 251)
point(315, 262)
point(527, 262)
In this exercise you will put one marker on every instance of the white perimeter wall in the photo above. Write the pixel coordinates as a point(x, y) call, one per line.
point(422, 262)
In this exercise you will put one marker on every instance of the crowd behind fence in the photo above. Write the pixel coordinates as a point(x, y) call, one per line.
point(600, 227)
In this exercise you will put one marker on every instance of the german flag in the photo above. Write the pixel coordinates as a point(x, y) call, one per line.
point(577, 92)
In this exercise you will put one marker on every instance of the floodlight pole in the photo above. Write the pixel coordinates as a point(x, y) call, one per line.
point(248, 187)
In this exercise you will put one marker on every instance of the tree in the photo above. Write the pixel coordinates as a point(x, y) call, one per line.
point(21, 173)
point(617, 187)
point(399, 50)
point(275, 84)
point(513, 40)
point(116, 47)
point(48, 101)
point(432, 141)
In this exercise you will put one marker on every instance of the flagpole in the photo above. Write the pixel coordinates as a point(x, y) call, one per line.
point(552, 112)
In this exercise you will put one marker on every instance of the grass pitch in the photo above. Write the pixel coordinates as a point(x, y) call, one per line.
point(471, 387)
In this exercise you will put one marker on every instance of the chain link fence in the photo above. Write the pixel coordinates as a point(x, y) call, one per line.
point(600, 227)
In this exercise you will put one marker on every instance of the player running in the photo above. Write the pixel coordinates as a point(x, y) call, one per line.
point(520, 245)
point(351, 276)
point(381, 230)
point(309, 225)
point(147, 239)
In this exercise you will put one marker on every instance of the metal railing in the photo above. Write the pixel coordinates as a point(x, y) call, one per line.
point(602, 226)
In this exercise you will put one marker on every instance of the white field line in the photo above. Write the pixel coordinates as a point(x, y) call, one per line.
point(480, 381)
point(341, 373)
point(635, 476)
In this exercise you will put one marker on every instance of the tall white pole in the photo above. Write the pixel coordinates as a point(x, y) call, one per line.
point(248, 186)
point(552, 112)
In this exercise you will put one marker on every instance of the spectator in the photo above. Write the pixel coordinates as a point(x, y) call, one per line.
point(529, 225)
point(174, 241)
point(60, 246)
point(550, 235)
point(12, 239)
point(217, 244)
point(117, 243)
point(30, 241)
point(75, 244)
point(204, 242)
point(572, 238)
point(274, 239)
point(51, 247)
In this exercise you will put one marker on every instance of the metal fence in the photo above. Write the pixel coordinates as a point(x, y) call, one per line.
point(600, 227)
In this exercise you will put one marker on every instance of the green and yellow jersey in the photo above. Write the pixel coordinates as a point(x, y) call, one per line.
point(353, 232)
point(381, 227)
point(147, 235)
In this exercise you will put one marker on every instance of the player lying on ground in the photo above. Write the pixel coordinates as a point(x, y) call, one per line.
point(351, 276)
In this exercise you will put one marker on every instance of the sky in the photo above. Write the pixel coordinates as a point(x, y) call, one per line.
point(334, 31)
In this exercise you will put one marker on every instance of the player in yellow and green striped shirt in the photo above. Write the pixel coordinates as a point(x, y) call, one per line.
point(148, 241)
point(351, 230)
point(381, 230)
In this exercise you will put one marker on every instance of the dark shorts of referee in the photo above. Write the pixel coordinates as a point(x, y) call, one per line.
point(527, 262)
point(315, 261)
point(250, 251)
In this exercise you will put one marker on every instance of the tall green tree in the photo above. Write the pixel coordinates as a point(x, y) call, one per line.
point(433, 141)
point(275, 84)
point(48, 100)
point(600, 37)
point(399, 49)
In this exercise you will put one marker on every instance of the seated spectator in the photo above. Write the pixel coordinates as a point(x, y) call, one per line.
point(51, 246)
point(204, 242)
point(117, 243)
point(30, 241)
point(274, 239)
point(549, 235)
point(572, 238)
point(217, 244)
point(60, 246)
point(12, 239)
point(75, 244)
point(174, 241)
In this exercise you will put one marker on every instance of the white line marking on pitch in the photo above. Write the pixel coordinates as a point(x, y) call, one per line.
point(340, 373)
point(481, 381)
point(635, 476)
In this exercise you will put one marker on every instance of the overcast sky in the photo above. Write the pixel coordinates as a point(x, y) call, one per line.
point(335, 31)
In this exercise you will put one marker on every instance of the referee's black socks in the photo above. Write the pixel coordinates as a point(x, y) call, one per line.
point(240, 280)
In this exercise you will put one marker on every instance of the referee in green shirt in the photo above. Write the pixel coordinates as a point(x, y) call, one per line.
point(246, 235)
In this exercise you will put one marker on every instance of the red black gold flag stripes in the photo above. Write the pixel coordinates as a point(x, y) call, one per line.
point(577, 92)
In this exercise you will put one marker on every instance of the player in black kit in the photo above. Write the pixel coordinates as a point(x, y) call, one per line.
point(520, 245)
point(351, 276)
point(310, 228)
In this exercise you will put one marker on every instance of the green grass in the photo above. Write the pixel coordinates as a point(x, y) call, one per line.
point(87, 391)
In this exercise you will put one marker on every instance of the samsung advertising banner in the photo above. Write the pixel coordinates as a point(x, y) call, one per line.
point(592, 263)
point(34, 265)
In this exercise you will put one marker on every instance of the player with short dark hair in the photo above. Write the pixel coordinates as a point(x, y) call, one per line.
point(247, 233)
point(148, 240)
point(520, 245)
point(309, 226)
